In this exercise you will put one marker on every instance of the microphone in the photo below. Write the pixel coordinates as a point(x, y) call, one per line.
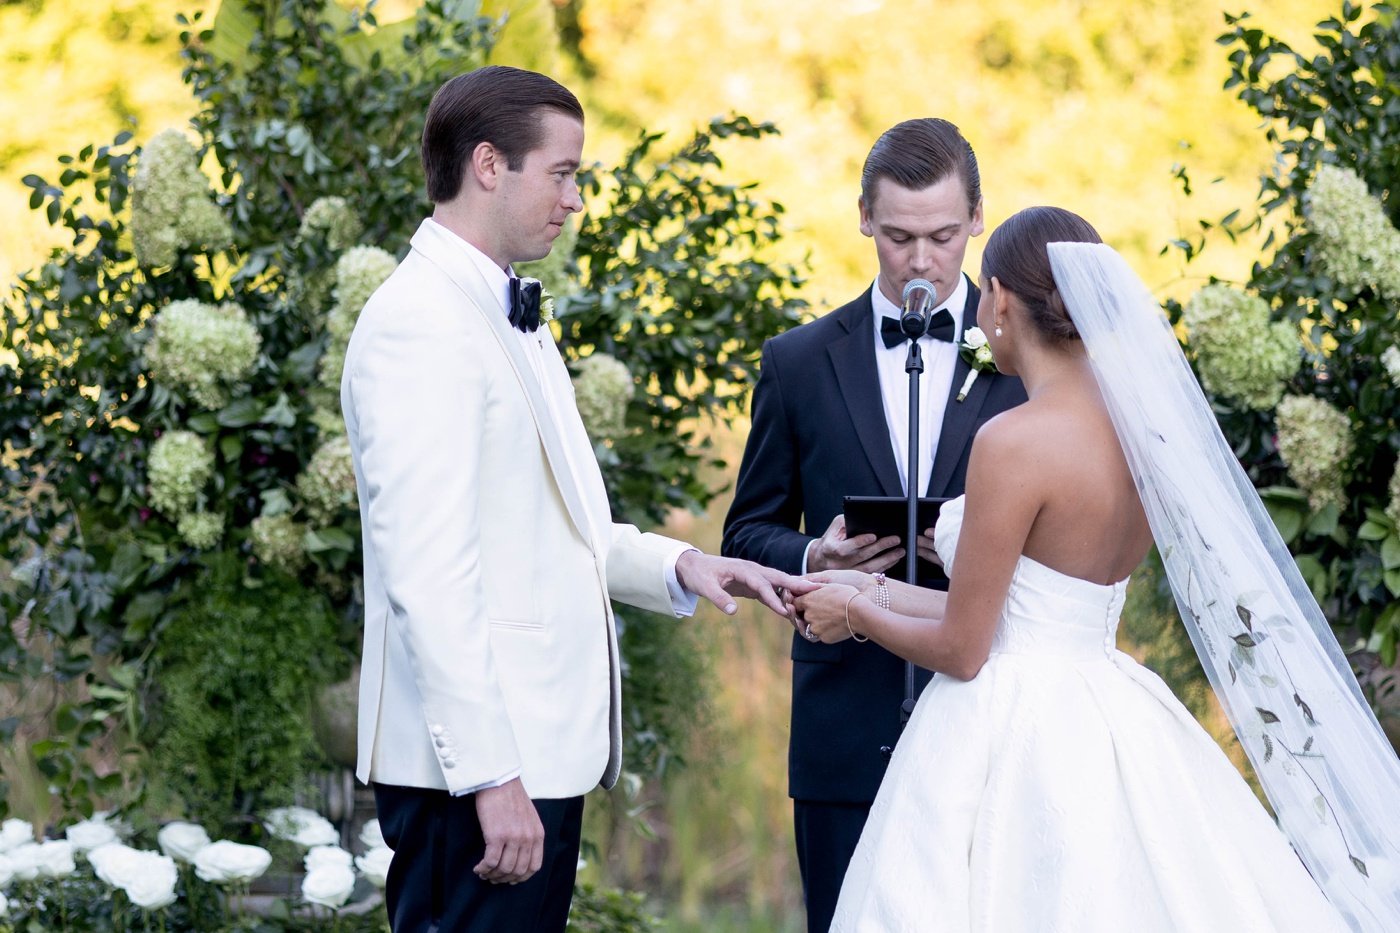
point(920, 298)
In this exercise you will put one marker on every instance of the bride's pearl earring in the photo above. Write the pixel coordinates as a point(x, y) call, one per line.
point(998, 331)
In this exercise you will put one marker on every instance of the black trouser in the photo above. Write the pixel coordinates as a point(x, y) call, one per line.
point(826, 834)
point(437, 842)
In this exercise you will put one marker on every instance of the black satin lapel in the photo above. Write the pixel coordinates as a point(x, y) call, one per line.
point(853, 358)
point(959, 418)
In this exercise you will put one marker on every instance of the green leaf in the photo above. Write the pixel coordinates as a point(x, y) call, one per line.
point(1324, 521)
point(240, 413)
point(1392, 582)
point(280, 413)
point(1372, 531)
point(1390, 552)
point(329, 539)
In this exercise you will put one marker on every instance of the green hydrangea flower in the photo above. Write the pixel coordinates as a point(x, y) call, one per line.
point(1393, 509)
point(603, 388)
point(171, 208)
point(180, 465)
point(358, 273)
point(1390, 359)
point(202, 349)
point(1239, 354)
point(332, 218)
point(277, 542)
point(201, 530)
point(1356, 242)
point(327, 485)
point(1315, 442)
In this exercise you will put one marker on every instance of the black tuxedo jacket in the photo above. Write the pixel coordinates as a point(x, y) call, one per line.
point(819, 435)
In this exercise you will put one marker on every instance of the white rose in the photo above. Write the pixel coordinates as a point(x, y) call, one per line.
point(55, 858)
point(371, 835)
point(984, 355)
point(225, 862)
point(115, 863)
point(974, 338)
point(14, 833)
point(7, 870)
point(89, 834)
point(374, 864)
point(321, 856)
point(181, 840)
point(25, 858)
point(306, 828)
point(153, 887)
point(328, 885)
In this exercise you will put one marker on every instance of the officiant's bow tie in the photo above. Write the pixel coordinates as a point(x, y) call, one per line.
point(940, 327)
point(525, 304)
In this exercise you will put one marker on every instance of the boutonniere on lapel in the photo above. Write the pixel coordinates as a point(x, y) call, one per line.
point(975, 351)
point(546, 305)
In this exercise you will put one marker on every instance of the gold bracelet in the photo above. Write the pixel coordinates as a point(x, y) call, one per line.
point(848, 617)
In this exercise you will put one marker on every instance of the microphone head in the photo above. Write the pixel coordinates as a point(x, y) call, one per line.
point(917, 285)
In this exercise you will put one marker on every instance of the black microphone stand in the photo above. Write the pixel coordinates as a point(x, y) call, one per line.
point(914, 366)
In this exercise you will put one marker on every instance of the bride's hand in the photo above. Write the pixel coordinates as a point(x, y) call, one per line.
point(853, 578)
point(821, 614)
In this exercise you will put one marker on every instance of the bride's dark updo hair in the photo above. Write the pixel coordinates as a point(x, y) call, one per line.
point(1016, 257)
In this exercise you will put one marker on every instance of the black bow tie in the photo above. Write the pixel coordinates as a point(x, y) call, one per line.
point(940, 327)
point(525, 304)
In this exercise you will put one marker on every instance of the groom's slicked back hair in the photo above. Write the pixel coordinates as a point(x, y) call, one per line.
point(497, 104)
point(1017, 257)
point(918, 153)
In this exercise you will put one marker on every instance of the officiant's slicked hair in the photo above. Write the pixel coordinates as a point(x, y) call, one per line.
point(1018, 258)
point(918, 153)
point(497, 104)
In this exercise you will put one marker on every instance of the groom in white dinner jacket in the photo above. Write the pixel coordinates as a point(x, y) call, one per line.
point(490, 690)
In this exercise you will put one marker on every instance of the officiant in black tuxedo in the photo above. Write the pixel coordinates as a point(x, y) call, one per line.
point(830, 419)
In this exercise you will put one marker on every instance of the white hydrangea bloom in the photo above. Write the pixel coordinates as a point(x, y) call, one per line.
point(179, 466)
point(202, 349)
point(358, 273)
point(1390, 359)
point(1315, 442)
point(327, 485)
point(1356, 241)
point(333, 218)
point(1239, 354)
point(171, 208)
point(201, 530)
point(277, 541)
point(603, 388)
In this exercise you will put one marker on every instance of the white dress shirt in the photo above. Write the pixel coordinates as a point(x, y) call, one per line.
point(940, 357)
point(536, 351)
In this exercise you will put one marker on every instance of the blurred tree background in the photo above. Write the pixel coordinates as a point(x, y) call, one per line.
point(1094, 107)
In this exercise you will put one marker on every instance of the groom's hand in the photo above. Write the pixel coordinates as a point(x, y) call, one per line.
point(720, 578)
point(834, 551)
point(513, 833)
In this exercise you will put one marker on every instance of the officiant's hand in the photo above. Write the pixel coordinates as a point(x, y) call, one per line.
point(834, 551)
point(718, 579)
point(923, 546)
point(514, 836)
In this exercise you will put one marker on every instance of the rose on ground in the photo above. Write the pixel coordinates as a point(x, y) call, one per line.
point(182, 841)
point(328, 885)
point(226, 862)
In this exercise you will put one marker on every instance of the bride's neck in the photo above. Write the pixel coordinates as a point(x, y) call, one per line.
point(1046, 368)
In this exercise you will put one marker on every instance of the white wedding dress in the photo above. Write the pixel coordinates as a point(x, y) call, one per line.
point(1066, 789)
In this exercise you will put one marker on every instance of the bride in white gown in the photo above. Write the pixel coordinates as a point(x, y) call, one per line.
point(1046, 781)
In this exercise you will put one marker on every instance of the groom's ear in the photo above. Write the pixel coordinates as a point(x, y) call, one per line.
point(977, 224)
point(486, 165)
point(866, 226)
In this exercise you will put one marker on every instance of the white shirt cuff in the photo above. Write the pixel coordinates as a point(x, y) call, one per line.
point(806, 553)
point(488, 785)
point(683, 601)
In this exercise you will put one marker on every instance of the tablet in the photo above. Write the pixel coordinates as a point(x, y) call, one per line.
point(884, 516)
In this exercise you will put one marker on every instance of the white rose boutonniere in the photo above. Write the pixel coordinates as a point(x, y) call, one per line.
point(978, 354)
point(546, 306)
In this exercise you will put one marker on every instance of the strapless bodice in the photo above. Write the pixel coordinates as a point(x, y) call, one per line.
point(1047, 613)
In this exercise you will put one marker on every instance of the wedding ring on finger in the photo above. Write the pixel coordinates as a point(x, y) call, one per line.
point(809, 634)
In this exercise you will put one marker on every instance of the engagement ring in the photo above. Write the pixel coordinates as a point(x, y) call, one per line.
point(809, 634)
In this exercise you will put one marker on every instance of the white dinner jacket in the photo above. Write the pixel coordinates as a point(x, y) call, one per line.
point(489, 638)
